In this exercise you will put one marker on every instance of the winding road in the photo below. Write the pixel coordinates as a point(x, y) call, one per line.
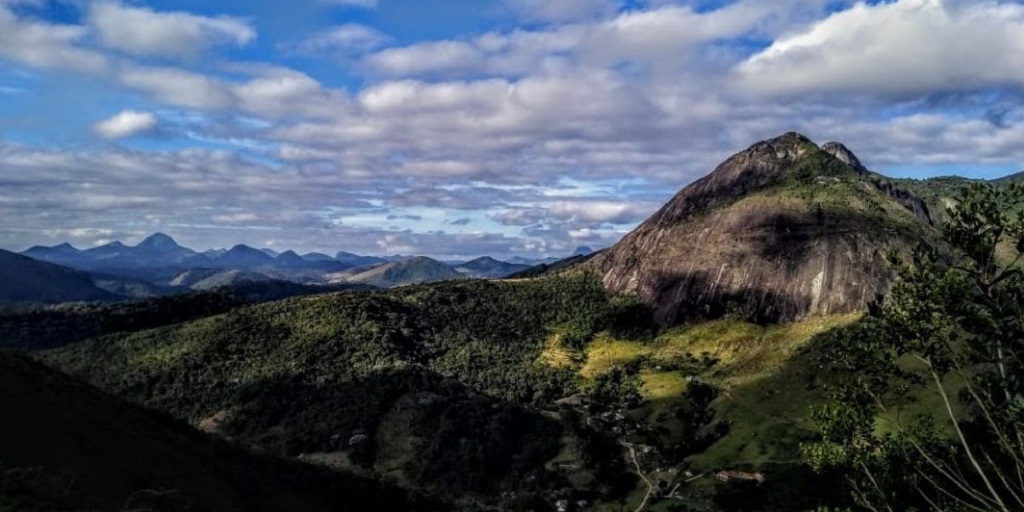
point(640, 473)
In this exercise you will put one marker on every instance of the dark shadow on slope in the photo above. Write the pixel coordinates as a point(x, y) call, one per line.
point(767, 420)
point(682, 298)
point(105, 454)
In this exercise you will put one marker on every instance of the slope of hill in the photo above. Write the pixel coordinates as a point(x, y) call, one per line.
point(488, 268)
point(66, 446)
point(778, 232)
point(357, 261)
point(409, 271)
point(24, 279)
point(438, 386)
point(230, 278)
point(241, 257)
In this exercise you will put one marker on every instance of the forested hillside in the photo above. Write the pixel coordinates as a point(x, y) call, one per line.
point(69, 447)
point(438, 386)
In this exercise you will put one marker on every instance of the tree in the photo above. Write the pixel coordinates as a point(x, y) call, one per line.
point(951, 334)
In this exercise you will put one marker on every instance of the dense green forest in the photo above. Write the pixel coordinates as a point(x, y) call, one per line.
point(68, 447)
point(439, 385)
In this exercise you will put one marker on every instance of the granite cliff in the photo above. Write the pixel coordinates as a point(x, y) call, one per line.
point(779, 232)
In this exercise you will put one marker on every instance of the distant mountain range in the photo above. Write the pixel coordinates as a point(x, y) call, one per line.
point(160, 266)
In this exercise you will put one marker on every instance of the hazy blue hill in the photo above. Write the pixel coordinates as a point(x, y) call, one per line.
point(488, 268)
point(408, 271)
point(554, 267)
point(230, 278)
point(66, 446)
point(356, 260)
point(317, 257)
point(24, 279)
point(243, 257)
point(157, 250)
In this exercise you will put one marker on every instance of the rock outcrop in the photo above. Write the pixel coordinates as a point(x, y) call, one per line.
point(778, 232)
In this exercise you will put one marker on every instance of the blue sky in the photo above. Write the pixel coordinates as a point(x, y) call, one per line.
point(455, 128)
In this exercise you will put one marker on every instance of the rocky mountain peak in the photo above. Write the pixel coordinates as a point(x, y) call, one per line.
point(844, 155)
point(777, 232)
point(761, 165)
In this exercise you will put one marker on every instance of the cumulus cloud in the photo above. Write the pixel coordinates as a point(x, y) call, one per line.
point(177, 87)
point(614, 212)
point(658, 40)
point(347, 38)
point(145, 32)
point(901, 48)
point(46, 45)
point(126, 124)
point(553, 135)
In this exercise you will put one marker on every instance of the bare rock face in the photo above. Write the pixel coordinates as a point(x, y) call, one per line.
point(778, 232)
point(844, 155)
point(916, 205)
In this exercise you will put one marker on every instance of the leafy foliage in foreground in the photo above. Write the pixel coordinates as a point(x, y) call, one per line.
point(954, 327)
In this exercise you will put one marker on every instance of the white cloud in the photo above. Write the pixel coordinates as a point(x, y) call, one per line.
point(902, 48)
point(426, 58)
point(177, 87)
point(45, 45)
point(558, 11)
point(660, 41)
point(145, 32)
point(615, 212)
point(347, 38)
point(126, 124)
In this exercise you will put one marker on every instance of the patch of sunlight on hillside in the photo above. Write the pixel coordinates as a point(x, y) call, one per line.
point(557, 355)
point(606, 352)
point(744, 351)
point(662, 385)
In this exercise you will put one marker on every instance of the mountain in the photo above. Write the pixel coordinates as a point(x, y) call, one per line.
point(62, 254)
point(289, 259)
point(23, 279)
point(1012, 178)
point(520, 260)
point(243, 257)
point(488, 268)
point(157, 250)
point(66, 446)
point(778, 232)
point(582, 250)
point(315, 257)
point(159, 243)
point(419, 269)
point(230, 278)
point(356, 260)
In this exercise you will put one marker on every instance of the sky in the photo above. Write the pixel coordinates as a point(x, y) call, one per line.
point(462, 128)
